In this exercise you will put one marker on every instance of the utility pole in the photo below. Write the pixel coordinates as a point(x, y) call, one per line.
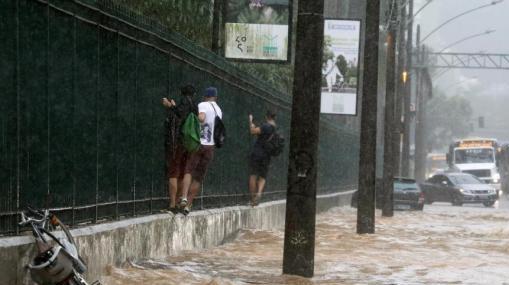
point(390, 94)
point(367, 161)
point(299, 244)
point(216, 24)
point(420, 152)
point(401, 89)
point(405, 156)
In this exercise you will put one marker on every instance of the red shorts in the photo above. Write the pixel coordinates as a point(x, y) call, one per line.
point(198, 162)
point(176, 163)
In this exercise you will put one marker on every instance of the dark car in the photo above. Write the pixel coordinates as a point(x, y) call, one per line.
point(458, 189)
point(407, 195)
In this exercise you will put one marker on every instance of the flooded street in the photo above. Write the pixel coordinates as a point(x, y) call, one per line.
point(442, 245)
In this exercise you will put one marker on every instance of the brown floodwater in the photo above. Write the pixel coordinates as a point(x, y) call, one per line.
point(441, 245)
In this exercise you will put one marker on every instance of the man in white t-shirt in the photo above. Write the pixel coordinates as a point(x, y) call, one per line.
point(198, 162)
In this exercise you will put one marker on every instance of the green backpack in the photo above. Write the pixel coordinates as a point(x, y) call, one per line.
point(191, 133)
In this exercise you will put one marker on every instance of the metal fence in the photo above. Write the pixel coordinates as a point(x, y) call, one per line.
point(81, 120)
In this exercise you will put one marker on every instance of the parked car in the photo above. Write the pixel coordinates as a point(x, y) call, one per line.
point(407, 195)
point(458, 189)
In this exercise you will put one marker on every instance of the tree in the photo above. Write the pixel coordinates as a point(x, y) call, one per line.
point(327, 51)
point(342, 65)
point(448, 118)
point(193, 19)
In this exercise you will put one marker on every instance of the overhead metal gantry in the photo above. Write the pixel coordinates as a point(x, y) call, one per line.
point(466, 61)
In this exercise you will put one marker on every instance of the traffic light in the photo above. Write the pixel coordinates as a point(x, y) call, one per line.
point(481, 122)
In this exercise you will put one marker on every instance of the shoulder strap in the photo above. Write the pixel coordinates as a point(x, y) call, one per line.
point(273, 133)
point(191, 104)
point(213, 108)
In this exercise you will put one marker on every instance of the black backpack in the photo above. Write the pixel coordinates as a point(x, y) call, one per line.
point(275, 144)
point(219, 130)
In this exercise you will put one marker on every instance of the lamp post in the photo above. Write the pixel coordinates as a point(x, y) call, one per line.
point(487, 32)
point(458, 16)
point(419, 11)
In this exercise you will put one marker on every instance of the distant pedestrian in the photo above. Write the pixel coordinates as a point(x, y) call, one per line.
point(198, 162)
point(259, 158)
point(176, 155)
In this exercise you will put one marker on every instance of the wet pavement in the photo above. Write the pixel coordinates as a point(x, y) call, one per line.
point(441, 245)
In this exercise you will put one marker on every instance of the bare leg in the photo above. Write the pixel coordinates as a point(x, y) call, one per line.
point(193, 191)
point(173, 184)
point(186, 183)
point(179, 189)
point(261, 185)
point(252, 186)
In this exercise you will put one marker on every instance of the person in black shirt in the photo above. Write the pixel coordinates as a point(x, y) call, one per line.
point(176, 155)
point(259, 159)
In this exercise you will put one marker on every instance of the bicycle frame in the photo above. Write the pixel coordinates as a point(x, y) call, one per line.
point(58, 261)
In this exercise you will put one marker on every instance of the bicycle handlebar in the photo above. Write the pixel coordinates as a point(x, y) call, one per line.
point(28, 220)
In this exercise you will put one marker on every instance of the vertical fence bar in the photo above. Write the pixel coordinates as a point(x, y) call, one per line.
point(73, 219)
point(18, 116)
point(201, 197)
point(117, 124)
point(166, 177)
point(135, 127)
point(48, 107)
point(97, 86)
point(152, 162)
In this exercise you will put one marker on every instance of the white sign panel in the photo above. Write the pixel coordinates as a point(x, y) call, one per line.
point(258, 30)
point(256, 41)
point(340, 69)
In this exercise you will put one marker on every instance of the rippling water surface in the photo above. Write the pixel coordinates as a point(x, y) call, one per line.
point(442, 245)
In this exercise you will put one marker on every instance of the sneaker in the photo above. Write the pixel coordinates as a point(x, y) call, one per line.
point(183, 202)
point(186, 210)
point(174, 210)
point(255, 201)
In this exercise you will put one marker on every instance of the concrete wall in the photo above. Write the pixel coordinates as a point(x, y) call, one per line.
point(155, 236)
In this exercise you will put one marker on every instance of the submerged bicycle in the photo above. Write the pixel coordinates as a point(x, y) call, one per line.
point(57, 261)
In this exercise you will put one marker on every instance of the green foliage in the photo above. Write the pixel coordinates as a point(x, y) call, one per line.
point(192, 18)
point(239, 11)
point(448, 118)
point(253, 16)
point(342, 64)
point(327, 52)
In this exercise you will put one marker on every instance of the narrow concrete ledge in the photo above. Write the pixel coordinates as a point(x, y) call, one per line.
point(155, 236)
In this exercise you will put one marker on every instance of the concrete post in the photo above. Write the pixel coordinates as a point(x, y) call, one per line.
point(405, 156)
point(401, 90)
point(367, 161)
point(216, 25)
point(422, 152)
point(390, 94)
point(299, 244)
point(420, 145)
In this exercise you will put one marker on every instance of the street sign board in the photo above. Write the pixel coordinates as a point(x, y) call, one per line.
point(340, 66)
point(258, 30)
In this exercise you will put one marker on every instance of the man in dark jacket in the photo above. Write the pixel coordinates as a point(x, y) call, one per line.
point(259, 159)
point(176, 155)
